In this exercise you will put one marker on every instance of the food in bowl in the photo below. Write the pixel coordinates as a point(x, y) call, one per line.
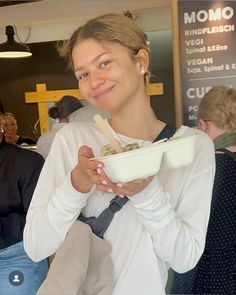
point(108, 150)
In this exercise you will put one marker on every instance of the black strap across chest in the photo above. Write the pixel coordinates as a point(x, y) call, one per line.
point(100, 224)
point(167, 132)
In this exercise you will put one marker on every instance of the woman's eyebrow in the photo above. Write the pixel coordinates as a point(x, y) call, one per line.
point(80, 68)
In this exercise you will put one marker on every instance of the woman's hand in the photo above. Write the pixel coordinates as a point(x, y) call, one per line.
point(85, 174)
point(124, 188)
point(131, 188)
point(89, 172)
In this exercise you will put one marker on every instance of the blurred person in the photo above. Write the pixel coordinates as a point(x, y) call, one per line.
point(19, 172)
point(164, 222)
point(10, 128)
point(87, 113)
point(61, 113)
point(215, 273)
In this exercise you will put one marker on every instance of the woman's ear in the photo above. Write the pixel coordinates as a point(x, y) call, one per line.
point(142, 59)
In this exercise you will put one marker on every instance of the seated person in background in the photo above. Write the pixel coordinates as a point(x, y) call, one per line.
point(61, 112)
point(215, 271)
point(19, 172)
point(9, 124)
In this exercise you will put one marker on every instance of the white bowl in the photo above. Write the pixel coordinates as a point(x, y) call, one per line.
point(178, 152)
point(147, 161)
point(132, 165)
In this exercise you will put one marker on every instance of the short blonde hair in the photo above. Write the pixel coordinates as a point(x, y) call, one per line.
point(219, 106)
point(109, 27)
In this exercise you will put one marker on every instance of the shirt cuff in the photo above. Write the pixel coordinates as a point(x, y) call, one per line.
point(151, 191)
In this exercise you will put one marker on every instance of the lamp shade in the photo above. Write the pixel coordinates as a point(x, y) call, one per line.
point(11, 48)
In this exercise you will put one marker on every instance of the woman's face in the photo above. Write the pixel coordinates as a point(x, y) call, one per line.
point(107, 74)
point(9, 126)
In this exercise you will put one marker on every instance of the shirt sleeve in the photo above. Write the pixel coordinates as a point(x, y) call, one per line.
point(179, 231)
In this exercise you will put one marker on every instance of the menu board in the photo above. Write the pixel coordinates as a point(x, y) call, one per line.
point(207, 42)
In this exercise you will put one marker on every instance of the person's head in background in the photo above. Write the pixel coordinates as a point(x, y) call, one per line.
point(8, 123)
point(64, 107)
point(123, 57)
point(217, 112)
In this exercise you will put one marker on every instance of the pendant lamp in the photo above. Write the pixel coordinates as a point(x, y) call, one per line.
point(11, 48)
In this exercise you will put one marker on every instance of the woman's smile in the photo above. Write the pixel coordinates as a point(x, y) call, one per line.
point(103, 93)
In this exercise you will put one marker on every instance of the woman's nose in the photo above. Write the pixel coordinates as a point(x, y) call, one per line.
point(96, 78)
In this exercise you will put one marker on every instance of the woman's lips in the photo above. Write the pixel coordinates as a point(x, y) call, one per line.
point(103, 93)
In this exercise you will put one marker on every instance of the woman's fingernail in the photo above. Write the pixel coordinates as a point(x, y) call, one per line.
point(99, 165)
point(104, 182)
point(122, 196)
point(119, 184)
point(110, 190)
point(99, 171)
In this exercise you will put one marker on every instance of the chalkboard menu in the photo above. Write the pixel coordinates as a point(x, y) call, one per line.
point(207, 42)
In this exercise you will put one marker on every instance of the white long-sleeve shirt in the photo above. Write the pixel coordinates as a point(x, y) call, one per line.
point(163, 226)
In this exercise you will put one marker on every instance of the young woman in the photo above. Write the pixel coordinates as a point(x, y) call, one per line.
point(164, 222)
point(215, 271)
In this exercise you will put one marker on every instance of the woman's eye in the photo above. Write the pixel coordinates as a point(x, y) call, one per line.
point(105, 63)
point(82, 76)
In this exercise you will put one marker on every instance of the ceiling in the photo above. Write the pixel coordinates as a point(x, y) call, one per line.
point(56, 19)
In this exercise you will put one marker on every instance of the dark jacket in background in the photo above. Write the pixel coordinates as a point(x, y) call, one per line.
point(19, 172)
